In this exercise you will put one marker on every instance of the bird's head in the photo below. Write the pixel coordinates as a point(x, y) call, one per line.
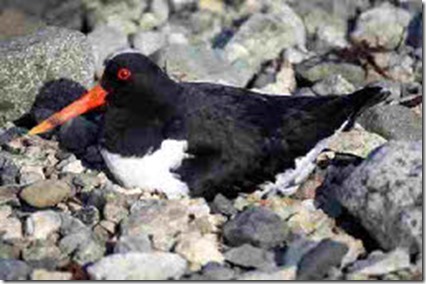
point(130, 80)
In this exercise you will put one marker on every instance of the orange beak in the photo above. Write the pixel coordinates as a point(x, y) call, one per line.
point(91, 100)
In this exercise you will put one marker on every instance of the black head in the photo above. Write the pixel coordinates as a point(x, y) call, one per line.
point(133, 80)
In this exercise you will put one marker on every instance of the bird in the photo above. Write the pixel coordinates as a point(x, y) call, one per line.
point(202, 138)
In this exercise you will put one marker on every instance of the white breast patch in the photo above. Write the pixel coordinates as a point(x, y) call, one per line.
point(152, 171)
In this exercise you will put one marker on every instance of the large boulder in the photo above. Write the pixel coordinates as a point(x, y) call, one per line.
point(30, 62)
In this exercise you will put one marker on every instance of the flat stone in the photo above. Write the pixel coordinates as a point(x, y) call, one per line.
point(45, 275)
point(46, 193)
point(138, 266)
point(11, 269)
point(140, 243)
point(40, 225)
point(251, 257)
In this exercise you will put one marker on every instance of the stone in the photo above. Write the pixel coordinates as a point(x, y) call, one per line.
point(74, 167)
point(382, 27)
point(251, 257)
point(122, 15)
point(12, 269)
point(335, 84)
point(282, 274)
point(45, 275)
point(105, 41)
point(40, 225)
point(415, 31)
point(393, 122)
point(114, 212)
point(14, 22)
point(30, 174)
point(199, 249)
point(5, 211)
point(257, 226)
point(202, 64)
point(51, 53)
point(8, 251)
point(10, 229)
point(43, 255)
point(149, 42)
point(8, 170)
point(214, 271)
point(45, 193)
point(140, 243)
point(274, 32)
point(379, 263)
point(89, 215)
point(316, 263)
point(223, 205)
point(385, 193)
point(284, 83)
point(138, 266)
point(316, 69)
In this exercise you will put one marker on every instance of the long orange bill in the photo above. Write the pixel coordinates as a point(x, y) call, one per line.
point(91, 100)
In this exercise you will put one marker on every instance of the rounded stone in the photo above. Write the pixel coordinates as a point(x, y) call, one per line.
point(45, 193)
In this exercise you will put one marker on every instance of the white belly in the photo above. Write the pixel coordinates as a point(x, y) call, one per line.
point(152, 171)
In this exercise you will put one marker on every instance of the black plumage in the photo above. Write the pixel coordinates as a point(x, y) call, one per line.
point(238, 138)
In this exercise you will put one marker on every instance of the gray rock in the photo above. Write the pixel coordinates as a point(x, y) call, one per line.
point(46, 193)
point(316, 69)
point(89, 215)
point(200, 63)
point(40, 225)
point(7, 251)
point(11, 269)
point(251, 257)
point(106, 40)
point(138, 266)
point(383, 26)
point(43, 255)
point(59, 13)
point(51, 53)
point(223, 205)
point(8, 170)
point(257, 226)
point(379, 263)
point(316, 263)
point(115, 212)
point(394, 122)
point(274, 32)
point(333, 85)
point(149, 42)
point(385, 194)
point(214, 271)
point(139, 243)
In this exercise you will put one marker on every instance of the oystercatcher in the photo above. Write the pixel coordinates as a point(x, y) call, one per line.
point(207, 138)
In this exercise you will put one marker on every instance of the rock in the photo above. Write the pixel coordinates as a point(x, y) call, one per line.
point(73, 167)
point(393, 122)
point(138, 266)
point(114, 212)
point(45, 275)
point(284, 83)
point(40, 225)
point(257, 226)
point(43, 255)
point(8, 251)
point(213, 271)
point(8, 170)
point(106, 40)
point(379, 263)
point(11, 269)
point(385, 194)
point(283, 274)
point(149, 42)
point(251, 257)
point(14, 22)
point(199, 249)
point(89, 215)
point(78, 134)
point(223, 205)
point(45, 193)
point(356, 142)
point(316, 69)
point(122, 15)
point(200, 63)
point(164, 220)
point(30, 174)
point(316, 263)
point(335, 84)
point(51, 53)
point(59, 13)
point(5, 211)
point(382, 27)
point(274, 32)
point(10, 229)
point(140, 243)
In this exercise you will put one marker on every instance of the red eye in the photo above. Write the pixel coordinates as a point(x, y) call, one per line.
point(124, 74)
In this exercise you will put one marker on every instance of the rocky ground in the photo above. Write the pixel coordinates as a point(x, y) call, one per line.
point(358, 216)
